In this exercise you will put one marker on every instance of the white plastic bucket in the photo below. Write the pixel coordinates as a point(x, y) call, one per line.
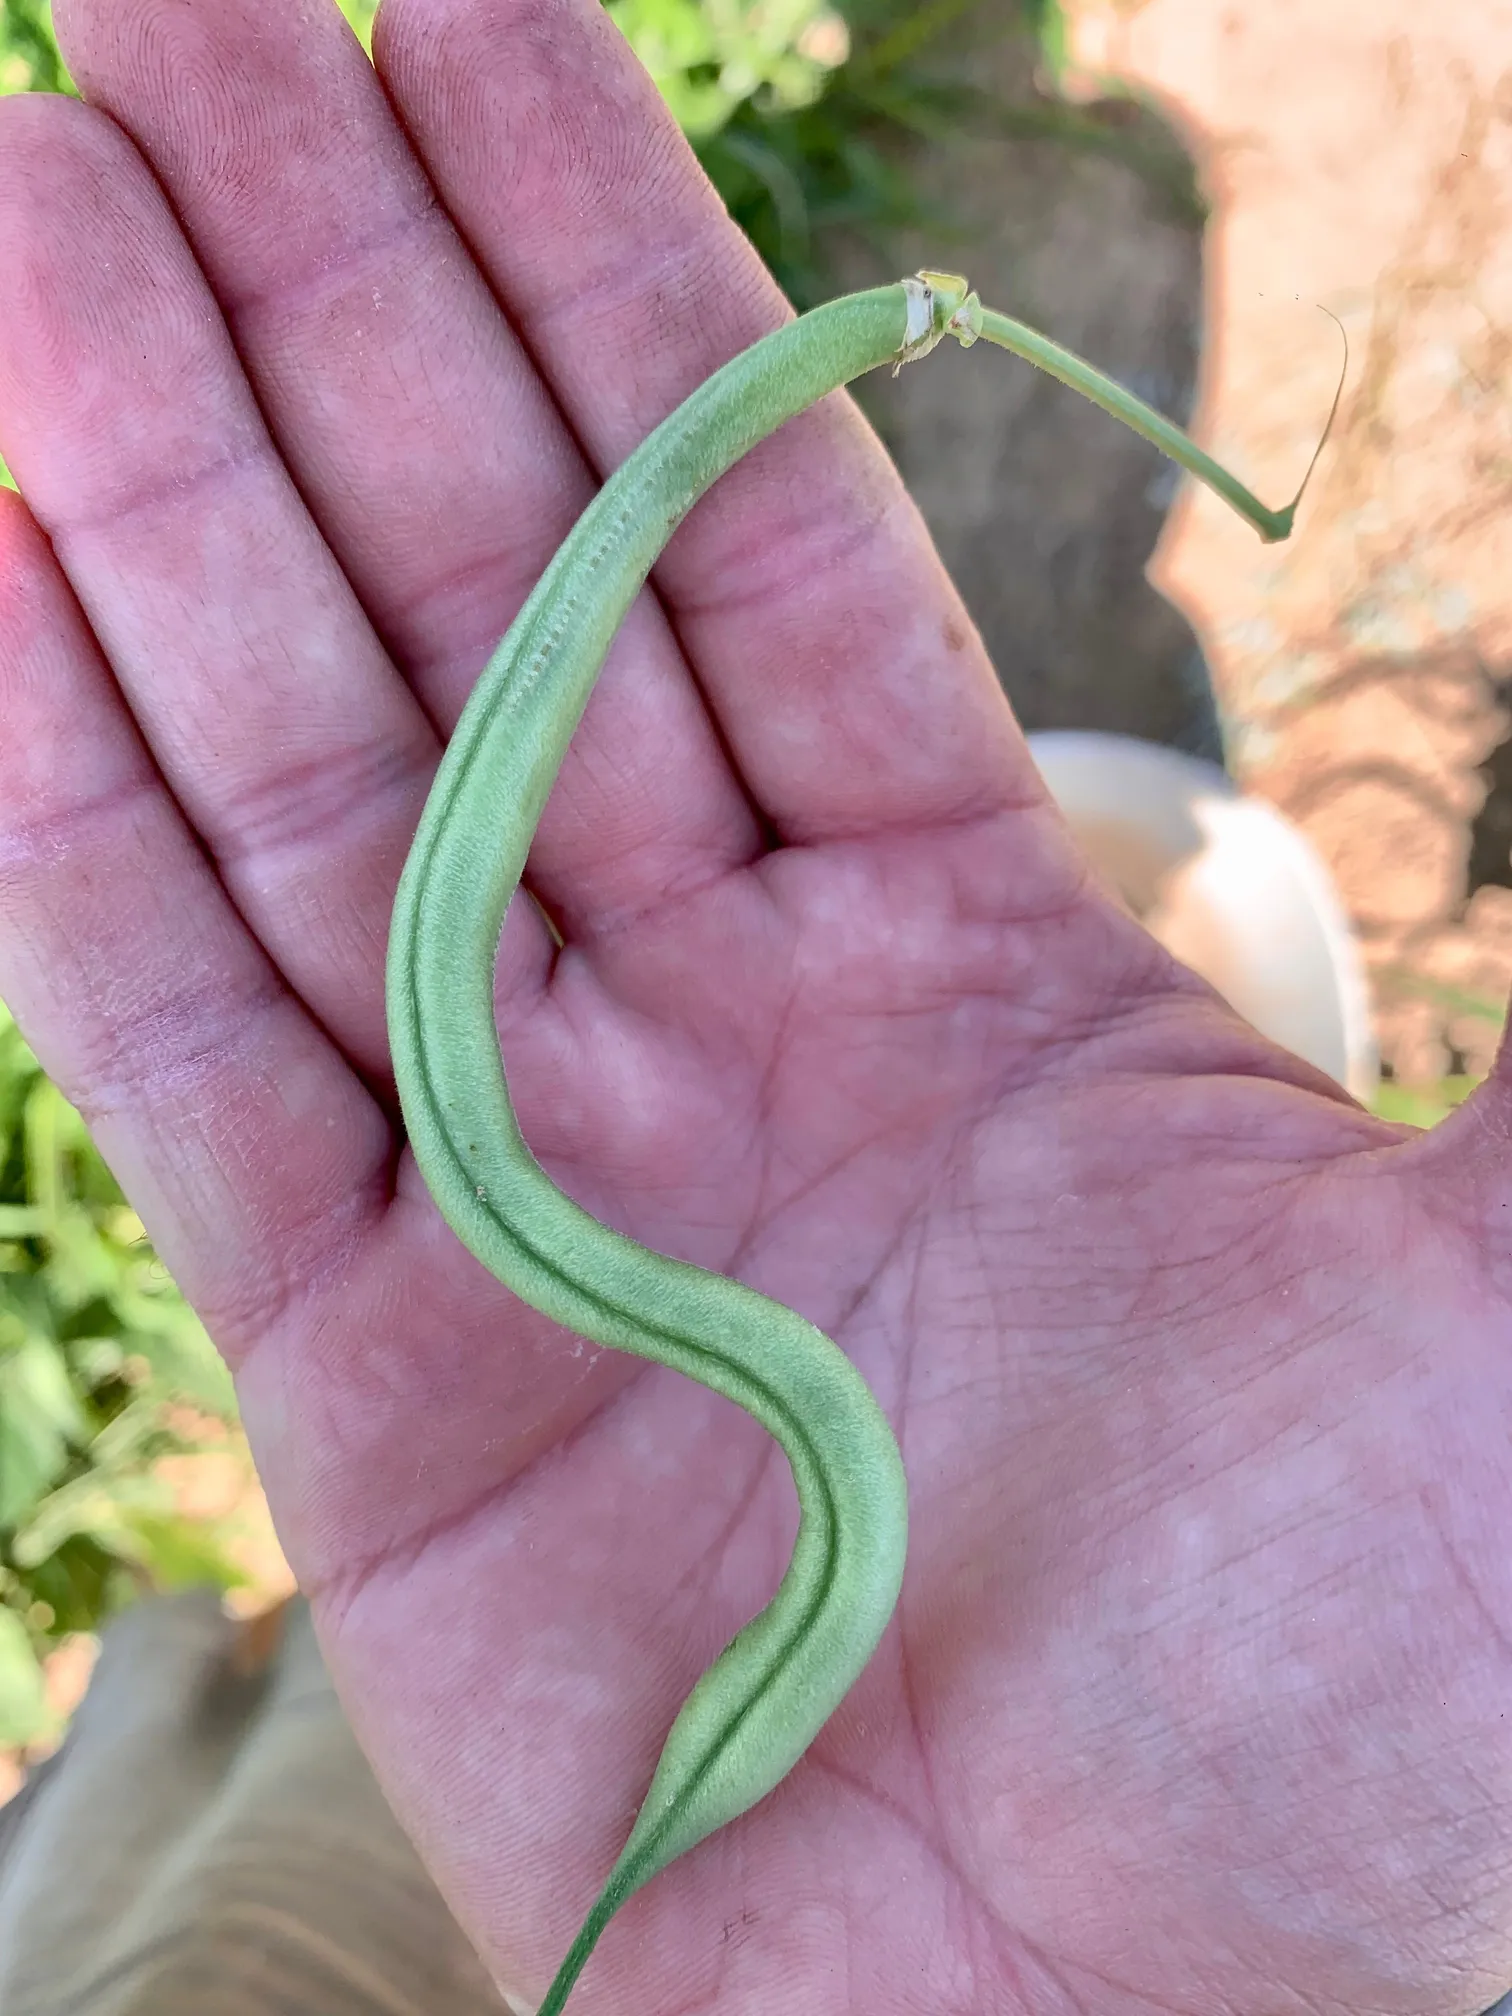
point(1226, 883)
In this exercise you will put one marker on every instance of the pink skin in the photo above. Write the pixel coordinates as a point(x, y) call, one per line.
point(1198, 1696)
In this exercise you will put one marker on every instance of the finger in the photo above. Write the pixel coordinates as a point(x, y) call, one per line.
point(240, 1135)
point(416, 427)
point(281, 726)
point(838, 659)
point(261, 1167)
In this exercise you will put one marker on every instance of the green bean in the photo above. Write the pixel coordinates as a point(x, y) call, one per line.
point(759, 1706)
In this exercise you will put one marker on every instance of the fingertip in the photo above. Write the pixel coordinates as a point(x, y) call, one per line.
point(26, 115)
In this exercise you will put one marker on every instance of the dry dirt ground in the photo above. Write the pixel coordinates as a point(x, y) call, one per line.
point(1358, 157)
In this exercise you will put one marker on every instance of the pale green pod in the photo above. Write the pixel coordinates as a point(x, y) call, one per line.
point(762, 1702)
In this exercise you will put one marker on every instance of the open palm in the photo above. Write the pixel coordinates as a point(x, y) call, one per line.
point(1196, 1696)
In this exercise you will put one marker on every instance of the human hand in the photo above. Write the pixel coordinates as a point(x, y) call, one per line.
point(1194, 1698)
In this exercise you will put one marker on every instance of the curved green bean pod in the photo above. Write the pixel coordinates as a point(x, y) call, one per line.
point(759, 1706)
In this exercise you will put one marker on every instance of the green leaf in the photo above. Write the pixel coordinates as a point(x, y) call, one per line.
point(179, 1554)
point(159, 1326)
point(29, 59)
point(82, 1585)
point(360, 14)
point(42, 1420)
point(707, 60)
point(23, 1697)
point(94, 1507)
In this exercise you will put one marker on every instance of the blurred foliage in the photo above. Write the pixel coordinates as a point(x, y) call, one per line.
point(360, 13)
point(29, 59)
point(788, 175)
point(95, 1345)
point(1422, 1105)
point(1426, 1105)
point(708, 57)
